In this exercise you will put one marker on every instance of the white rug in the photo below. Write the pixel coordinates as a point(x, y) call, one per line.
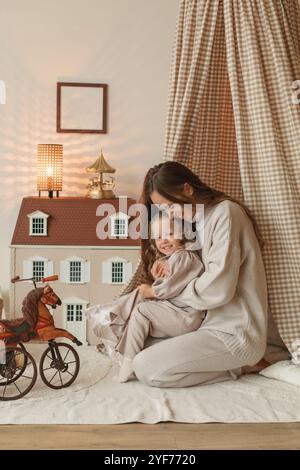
point(88, 374)
point(95, 398)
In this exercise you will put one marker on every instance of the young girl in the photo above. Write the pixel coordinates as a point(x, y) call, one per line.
point(132, 318)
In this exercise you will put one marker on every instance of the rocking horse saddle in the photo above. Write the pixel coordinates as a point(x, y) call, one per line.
point(18, 328)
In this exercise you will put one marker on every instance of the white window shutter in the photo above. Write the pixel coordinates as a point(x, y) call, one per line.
point(86, 271)
point(127, 271)
point(49, 268)
point(106, 272)
point(27, 268)
point(45, 226)
point(126, 228)
point(64, 275)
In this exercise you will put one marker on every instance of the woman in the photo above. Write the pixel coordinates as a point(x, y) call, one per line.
point(233, 290)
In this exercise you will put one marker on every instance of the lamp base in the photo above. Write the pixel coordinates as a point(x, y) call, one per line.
point(98, 193)
point(50, 193)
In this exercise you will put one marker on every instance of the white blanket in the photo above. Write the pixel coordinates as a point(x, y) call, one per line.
point(95, 398)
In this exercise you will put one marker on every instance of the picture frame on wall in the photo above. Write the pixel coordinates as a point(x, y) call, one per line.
point(81, 108)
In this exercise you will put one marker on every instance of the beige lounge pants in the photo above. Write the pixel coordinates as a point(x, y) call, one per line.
point(194, 358)
point(159, 319)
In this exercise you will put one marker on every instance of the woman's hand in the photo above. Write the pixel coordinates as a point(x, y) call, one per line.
point(159, 269)
point(146, 291)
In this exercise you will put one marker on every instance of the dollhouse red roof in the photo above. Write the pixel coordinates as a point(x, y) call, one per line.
point(70, 221)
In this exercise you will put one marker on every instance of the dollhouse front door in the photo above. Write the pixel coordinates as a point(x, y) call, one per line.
point(74, 318)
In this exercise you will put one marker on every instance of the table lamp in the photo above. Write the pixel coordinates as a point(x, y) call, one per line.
point(49, 168)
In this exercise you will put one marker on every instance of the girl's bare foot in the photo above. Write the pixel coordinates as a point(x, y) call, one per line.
point(262, 364)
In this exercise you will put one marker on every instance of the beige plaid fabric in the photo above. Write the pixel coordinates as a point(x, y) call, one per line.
point(263, 50)
point(200, 129)
point(231, 119)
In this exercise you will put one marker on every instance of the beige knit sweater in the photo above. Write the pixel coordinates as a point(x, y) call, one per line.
point(233, 286)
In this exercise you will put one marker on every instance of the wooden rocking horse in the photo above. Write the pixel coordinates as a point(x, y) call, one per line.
point(37, 322)
point(59, 363)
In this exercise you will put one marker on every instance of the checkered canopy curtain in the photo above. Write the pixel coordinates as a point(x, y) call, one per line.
point(231, 119)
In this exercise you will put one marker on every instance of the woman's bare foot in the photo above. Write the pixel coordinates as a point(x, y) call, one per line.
point(262, 364)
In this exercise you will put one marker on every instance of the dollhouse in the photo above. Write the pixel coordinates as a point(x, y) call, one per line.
point(58, 236)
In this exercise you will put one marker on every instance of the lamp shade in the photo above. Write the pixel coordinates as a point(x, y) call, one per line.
point(49, 167)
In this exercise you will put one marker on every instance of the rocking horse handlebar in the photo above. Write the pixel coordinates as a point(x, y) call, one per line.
point(50, 278)
point(44, 279)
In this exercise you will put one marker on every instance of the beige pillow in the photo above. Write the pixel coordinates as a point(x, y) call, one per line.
point(286, 371)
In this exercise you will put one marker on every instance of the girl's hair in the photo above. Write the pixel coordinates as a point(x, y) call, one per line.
point(168, 180)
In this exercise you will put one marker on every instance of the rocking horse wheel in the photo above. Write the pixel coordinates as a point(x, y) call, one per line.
point(23, 365)
point(18, 374)
point(59, 365)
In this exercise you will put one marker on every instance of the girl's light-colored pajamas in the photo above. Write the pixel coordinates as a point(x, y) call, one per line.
point(159, 319)
point(132, 318)
point(164, 317)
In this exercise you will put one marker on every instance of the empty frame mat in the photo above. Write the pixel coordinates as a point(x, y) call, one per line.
point(81, 107)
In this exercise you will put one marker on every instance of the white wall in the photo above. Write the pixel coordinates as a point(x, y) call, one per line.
point(124, 43)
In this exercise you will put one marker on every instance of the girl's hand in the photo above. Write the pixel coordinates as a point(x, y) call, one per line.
point(146, 291)
point(159, 269)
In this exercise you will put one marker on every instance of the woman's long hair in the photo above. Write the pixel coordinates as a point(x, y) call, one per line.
point(168, 180)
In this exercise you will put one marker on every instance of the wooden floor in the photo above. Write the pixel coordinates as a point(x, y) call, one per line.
point(152, 436)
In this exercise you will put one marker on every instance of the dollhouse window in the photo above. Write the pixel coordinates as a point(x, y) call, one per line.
point(38, 223)
point(37, 267)
point(38, 270)
point(38, 226)
point(116, 271)
point(74, 312)
point(120, 227)
point(75, 270)
point(119, 224)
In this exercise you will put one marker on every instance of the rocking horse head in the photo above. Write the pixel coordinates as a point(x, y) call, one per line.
point(49, 297)
point(30, 309)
